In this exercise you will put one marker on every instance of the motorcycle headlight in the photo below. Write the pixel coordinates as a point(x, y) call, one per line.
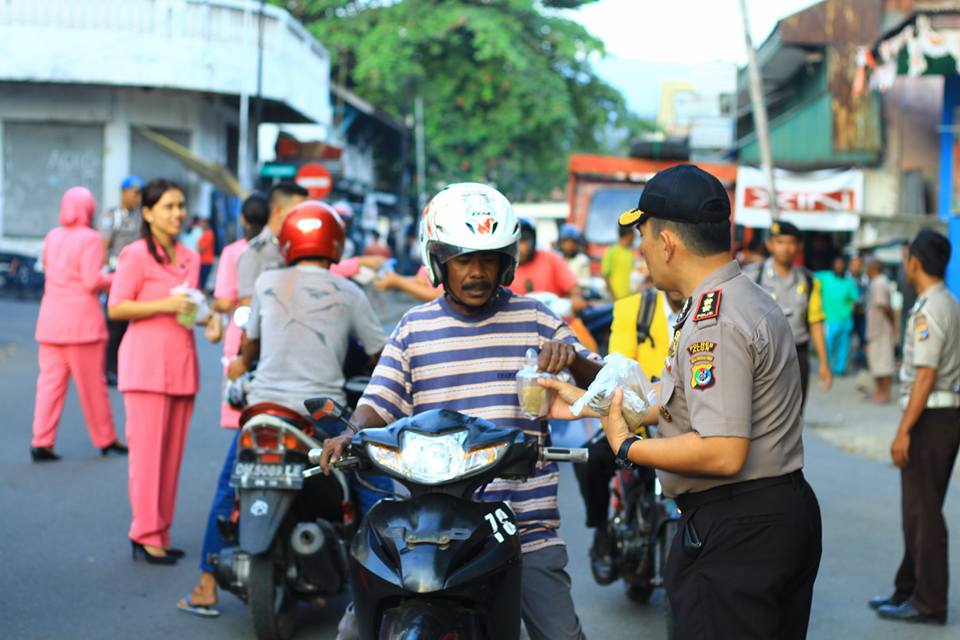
point(432, 459)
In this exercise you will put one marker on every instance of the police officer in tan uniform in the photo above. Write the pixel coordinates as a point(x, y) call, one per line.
point(798, 294)
point(925, 447)
point(729, 449)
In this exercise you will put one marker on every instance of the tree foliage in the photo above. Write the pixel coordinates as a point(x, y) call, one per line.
point(507, 85)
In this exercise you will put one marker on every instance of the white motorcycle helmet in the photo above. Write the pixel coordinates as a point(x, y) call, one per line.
point(468, 217)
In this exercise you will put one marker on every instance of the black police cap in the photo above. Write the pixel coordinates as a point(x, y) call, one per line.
point(684, 193)
point(784, 229)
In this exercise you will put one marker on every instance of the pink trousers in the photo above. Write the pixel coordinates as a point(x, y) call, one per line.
point(157, 427)
point(83, 362)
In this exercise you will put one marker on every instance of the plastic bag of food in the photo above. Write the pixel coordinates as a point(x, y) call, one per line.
point(198, 305)
point(619, 372)
point(534, 400)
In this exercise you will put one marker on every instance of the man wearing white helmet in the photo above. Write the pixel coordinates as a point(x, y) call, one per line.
point(477, 333)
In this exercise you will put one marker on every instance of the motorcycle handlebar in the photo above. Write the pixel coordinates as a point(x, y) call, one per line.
point(564, 454)
point(314, 455)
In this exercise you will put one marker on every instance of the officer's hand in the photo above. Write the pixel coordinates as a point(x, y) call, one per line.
point(236, 368)
point(826, 376)
point(565, 394)
point(333, 449)
point(556, 356)
point(900, 449)
point(614, 425)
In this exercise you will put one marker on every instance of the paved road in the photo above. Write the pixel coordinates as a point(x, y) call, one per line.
point(66, 570)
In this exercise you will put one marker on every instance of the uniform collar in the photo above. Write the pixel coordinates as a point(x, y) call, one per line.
point(770, 271)
point(717, 278)
point(931, 291)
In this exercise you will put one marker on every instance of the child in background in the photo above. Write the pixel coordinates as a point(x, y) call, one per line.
point(618, 264)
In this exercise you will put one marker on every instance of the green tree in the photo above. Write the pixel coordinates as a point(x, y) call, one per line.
point(507, 85)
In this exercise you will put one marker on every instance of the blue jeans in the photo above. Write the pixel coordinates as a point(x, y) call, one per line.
point(223, 498)
point(838, 344)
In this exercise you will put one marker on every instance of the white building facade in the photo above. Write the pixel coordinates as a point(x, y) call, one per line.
point(79, 81)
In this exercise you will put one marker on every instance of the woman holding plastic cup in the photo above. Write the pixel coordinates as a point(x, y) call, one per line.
point(158, 375)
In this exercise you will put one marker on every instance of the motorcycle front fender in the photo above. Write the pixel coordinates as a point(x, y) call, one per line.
point(261, 513)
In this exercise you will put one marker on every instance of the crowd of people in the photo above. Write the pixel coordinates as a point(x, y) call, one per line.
point(730, 399)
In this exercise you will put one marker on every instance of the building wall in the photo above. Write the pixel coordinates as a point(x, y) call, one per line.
point(66, 115)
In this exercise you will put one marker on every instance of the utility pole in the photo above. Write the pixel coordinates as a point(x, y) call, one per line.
point(258, 105)
point(759, 114)
point(421, 154)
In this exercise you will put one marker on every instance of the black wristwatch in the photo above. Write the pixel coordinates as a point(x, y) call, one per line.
point(622, 458)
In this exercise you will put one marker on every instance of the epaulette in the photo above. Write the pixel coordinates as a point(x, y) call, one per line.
point(709, 305)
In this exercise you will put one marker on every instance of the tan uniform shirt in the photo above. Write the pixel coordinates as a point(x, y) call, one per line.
point(262, 253)
point(733, 371)
point(798, 296)
point(933, 339)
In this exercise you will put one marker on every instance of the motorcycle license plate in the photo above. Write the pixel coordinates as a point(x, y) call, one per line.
point(270, 476)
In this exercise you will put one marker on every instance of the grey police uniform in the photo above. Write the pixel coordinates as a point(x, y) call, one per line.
point(747, 548)
point(793, 294)
point(733, 372)
point(262, 253)
point(932, 339)
point(118, 227)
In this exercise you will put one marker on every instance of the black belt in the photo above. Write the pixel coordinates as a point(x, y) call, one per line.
point(689, 501)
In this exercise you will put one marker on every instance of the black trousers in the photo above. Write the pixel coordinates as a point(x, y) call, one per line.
point(753, 573)
point(923, 576)
point(594, 477)
point(115, 331)
point(803, 356)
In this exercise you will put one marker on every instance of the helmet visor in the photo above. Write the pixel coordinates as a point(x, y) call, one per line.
point(445, 252)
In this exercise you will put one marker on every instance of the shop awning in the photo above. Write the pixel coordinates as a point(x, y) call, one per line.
point(926, 44)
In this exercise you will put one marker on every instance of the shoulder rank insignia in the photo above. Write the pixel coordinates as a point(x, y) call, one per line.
point(709, 306)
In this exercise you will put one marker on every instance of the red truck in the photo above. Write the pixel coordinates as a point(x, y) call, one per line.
point(600, 188)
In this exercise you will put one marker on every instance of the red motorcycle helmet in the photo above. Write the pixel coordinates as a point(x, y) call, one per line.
point(312, 229)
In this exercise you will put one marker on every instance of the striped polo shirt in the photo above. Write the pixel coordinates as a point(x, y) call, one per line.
point(438, 358)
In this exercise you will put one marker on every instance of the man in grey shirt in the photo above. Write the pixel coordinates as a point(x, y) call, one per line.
point(302, 316)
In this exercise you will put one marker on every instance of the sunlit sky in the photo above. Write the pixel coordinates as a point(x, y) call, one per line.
point(673, 34)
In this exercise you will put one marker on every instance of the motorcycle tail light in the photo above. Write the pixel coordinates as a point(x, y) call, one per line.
point(291, 441)
point(270, 458)
point(267, 437)
point(246, 440)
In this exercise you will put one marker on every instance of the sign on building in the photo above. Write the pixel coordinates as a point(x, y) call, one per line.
point(826, 200)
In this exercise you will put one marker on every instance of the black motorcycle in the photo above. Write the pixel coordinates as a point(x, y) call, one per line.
point(438, 563)
point(288, 535)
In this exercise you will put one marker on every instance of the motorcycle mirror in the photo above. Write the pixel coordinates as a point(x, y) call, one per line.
point(241, 316)
point(325, 408)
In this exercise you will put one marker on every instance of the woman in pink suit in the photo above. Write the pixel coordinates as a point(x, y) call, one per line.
point(157, 364)
point(71, 330)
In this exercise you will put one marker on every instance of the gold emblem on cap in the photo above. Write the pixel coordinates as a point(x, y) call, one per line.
point(630, 217)
point(775, 228)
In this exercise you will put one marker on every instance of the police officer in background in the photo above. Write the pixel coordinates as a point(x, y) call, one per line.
point(798, 294)
point(729, 446)
point(263, 251)
point(925, 447)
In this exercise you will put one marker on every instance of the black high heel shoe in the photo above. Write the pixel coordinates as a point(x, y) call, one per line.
point(114, 446)
point(138, 549)
point(43, 454)
point(173, 552)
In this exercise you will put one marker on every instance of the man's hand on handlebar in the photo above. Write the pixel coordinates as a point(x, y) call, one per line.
point(333, 449)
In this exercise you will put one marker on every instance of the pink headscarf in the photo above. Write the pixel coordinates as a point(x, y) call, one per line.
point(77, 207)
